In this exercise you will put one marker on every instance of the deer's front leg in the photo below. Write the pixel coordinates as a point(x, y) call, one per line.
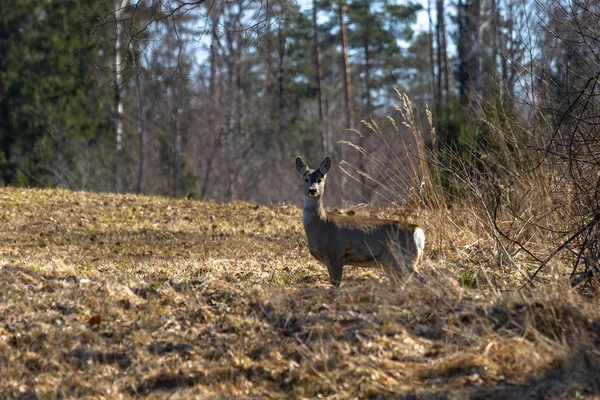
point(335, 272)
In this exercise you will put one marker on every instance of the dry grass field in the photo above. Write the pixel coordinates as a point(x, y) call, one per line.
point(120, 296)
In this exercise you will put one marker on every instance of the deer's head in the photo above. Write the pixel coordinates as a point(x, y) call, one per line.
point(314, 179)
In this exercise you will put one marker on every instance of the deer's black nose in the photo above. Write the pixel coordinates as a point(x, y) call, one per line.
point(312, 191)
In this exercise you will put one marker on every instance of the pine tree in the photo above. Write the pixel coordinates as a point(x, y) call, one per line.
point(49, 100)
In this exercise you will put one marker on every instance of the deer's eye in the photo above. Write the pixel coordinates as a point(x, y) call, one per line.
point(306, 180)
point(320, 180)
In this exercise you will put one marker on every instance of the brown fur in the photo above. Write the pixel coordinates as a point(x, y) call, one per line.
point(337, 240)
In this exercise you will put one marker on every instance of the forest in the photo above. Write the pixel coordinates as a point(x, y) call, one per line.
point(492, 105)
point(189, 99)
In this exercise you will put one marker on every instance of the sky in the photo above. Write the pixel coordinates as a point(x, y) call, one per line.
point(422, 24)
point(422, 20)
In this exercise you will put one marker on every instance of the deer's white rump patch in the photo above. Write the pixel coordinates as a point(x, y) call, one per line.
point(419, 237)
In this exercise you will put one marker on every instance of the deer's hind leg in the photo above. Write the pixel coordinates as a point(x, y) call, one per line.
point(400, 263)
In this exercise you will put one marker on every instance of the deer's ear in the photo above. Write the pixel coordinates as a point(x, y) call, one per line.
point(325, 165)
point(301, 166)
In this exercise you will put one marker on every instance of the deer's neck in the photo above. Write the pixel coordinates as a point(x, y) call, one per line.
point(314, 211)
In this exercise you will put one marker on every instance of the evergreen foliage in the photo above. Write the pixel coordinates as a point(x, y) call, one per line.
point(50, 93)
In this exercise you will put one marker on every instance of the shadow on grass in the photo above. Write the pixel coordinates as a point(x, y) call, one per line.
point(124, 360)
point(165, 382)
point(577, 377)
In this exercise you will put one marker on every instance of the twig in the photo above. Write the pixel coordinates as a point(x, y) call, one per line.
point(591, 223)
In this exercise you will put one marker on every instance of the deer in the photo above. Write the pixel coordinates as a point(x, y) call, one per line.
point(337, 240)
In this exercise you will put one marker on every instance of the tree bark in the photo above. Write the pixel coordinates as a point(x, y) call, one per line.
point(269, 141)
point(469, 54)
point(502, 44)
point(238, 120)
point(7, 136)
point(139, 119)
point(462, 73)
point(432, 60)
point(119, 6)
point(280, 77)
point(495, 20)
point(446, 70)
point(214, 104)
point(506, 55)
point(367, 50)
point(317, 56)
point(368, 101)
point(443, 68)
point(440, 69)
point(348, 109)
point(176, 136)
point(478, 64)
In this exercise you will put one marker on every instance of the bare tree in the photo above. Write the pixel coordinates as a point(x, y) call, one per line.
point(214, 100)
point(175, 112)
point(432, 60)
point(469, 55)
point(443, 87)
point(318, 74)
point(280, 80)
point(118, 8)
point(367, 98)
point(348, 106)
point(139, 117)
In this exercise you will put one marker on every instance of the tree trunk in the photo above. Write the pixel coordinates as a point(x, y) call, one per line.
point(505, 56)
point(469, 54)
point(119, 6)
point(462, 74)
point(367, 50)
point(214, 104)
point(139, 119)
point(238, 123)
point(348, 109)
point(495, 21)
point(176, 137)
point(368, 102)
point(432, 60)
point(231, 61)
point(7, 134)
point(503, 38)
point(446, 66)
point(440, 68)
point(268, 141)
point(477, 61)
point(281, 94)
point(443, 68)
point(317, 55)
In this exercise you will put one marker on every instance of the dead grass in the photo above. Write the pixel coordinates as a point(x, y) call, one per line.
point(107, 296)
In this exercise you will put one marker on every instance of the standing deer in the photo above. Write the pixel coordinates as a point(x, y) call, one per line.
point(338, 240)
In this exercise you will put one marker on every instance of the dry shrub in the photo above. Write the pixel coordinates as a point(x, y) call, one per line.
point(406, 173)
point(501, 218)
point(432, 337)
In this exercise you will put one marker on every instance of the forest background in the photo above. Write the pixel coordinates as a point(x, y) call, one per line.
point(214, 99)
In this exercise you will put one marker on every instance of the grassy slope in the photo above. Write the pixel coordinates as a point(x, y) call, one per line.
point(103, 295)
